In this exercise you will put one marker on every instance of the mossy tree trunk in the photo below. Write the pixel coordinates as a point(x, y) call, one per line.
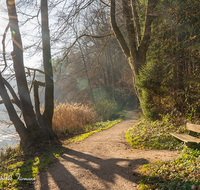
point(137, 47)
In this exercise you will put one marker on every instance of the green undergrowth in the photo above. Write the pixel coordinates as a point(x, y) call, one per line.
point(19, 169)
point(99, 126)
point(182, 173)
point(154, 135)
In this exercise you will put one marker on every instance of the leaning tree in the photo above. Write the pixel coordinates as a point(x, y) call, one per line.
point(34, 127)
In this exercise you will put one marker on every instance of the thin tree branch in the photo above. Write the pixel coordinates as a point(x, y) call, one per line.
point(107, 4)
point(33, 69)
point(91, 36)
point(31, 17)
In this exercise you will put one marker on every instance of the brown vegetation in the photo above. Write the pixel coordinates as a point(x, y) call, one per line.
point(70, 118)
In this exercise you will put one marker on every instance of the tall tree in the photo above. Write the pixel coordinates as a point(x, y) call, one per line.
point(137, 47)
point(34, 127)
point(47, 62)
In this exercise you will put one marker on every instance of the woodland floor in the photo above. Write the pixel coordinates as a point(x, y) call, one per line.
point(102, 161)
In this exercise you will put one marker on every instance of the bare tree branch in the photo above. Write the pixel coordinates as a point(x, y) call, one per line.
point(12, 100)
point(37, 101)
point(16, 99)
point(33, 69)
point(91, 36)
point(107, 4)
point(117, 32)
point(4, 47)
point(128, 17)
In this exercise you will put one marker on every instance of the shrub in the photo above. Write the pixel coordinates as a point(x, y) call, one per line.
point(72, 118)
point(107, 110)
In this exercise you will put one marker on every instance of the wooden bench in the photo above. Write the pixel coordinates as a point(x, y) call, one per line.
point(188, 138)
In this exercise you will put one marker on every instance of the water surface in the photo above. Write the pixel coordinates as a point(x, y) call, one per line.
point(8, 134)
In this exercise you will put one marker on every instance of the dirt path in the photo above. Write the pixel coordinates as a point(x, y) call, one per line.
point(101, 161)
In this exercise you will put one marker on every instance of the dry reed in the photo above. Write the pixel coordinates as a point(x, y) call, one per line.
point(73, 118)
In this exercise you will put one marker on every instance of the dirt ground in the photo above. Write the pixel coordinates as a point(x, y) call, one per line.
point(102, 161)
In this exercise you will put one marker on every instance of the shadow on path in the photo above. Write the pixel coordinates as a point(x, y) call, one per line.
point(76, 170)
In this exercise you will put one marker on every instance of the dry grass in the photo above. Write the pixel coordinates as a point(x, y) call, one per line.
point(72, 118)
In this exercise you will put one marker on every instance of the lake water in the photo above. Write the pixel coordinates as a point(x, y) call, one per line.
point(8, 135)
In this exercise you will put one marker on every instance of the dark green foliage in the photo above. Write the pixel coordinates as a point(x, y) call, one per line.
point(107, 110)
point(169, 82)
point(150, 84)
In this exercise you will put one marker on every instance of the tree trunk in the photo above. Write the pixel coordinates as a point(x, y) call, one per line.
point(30, 130)
point(19, 125)
point(136, 49)
point(17, 56)
point(49, 81)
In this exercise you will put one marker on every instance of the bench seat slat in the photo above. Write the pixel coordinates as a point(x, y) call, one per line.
point(186, 138)
point(193, 127)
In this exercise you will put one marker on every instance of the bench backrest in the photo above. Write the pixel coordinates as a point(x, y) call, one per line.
point(193, 127)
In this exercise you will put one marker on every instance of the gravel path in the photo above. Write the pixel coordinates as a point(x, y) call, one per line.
point(102, 161)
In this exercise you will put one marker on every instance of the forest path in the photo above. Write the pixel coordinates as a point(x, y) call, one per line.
point(102, 161)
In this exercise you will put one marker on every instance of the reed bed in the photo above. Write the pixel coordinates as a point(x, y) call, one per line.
point(72, 118)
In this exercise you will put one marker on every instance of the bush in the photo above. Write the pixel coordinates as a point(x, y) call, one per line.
point(107, 110)
point(72, 118)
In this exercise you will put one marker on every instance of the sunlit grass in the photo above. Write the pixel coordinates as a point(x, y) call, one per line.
point(99, 126)
point(16, 165)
